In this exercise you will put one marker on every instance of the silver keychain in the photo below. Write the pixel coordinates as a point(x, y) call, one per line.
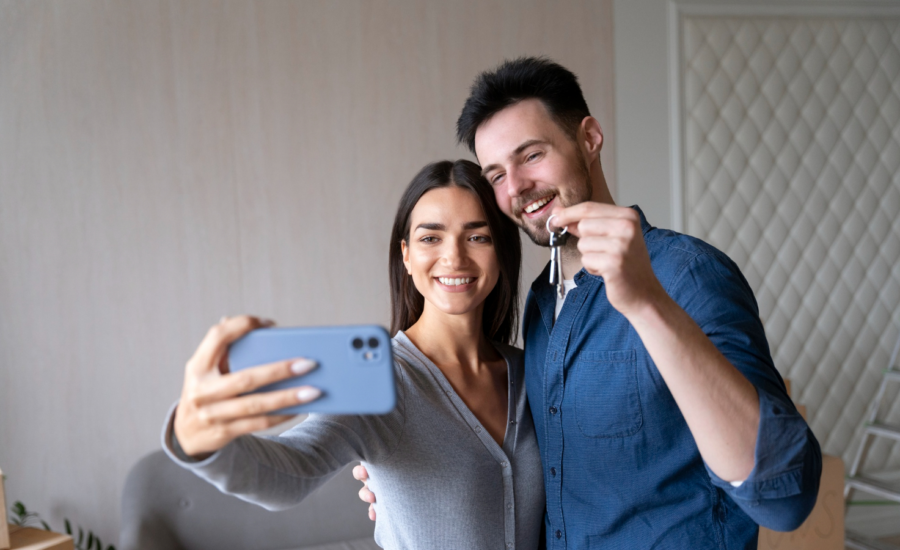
point(557, 239)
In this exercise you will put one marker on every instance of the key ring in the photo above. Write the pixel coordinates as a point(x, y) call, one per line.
point(564, 229)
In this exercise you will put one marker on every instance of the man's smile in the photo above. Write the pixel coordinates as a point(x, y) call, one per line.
point(537, 207)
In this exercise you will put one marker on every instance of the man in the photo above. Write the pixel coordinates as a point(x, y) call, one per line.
point(661, 419)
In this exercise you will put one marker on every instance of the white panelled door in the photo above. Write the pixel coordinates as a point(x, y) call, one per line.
point(790, 144)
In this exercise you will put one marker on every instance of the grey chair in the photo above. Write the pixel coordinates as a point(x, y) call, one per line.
point(165, 507)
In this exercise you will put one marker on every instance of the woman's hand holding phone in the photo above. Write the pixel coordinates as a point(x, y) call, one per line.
point(213, 409)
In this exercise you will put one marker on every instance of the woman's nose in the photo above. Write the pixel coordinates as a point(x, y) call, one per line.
point(455, 254)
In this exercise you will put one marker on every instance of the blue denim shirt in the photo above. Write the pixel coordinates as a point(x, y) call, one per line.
point(621, 468)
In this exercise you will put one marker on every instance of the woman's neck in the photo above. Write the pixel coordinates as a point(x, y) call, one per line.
point(452, 340)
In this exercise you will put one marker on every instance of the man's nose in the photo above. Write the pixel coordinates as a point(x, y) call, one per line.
point(516, 182)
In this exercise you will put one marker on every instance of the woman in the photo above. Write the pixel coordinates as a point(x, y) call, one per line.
point(456, 464)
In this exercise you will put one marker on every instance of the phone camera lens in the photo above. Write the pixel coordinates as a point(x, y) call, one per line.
point(373, 342)
point(357, 343)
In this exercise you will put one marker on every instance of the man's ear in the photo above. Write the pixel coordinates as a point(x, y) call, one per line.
point(591, 135)
point(405, 250)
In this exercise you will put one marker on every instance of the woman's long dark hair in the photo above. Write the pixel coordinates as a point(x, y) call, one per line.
point(501, 308)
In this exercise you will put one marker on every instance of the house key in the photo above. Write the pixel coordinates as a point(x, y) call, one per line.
point(557, 239)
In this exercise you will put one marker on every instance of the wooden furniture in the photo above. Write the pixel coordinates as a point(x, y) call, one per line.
point(824, 528)
point(4, 530)
point(13, 537)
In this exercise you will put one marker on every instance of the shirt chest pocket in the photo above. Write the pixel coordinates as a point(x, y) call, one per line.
point(607, 398)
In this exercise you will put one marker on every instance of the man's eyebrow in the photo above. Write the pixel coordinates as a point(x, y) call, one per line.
point(516, 152)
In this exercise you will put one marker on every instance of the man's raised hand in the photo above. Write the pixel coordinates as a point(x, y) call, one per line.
point(612, 246)
point(213, 409)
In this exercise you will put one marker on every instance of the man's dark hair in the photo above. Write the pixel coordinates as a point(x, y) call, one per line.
point(519, 79)
point(501, 307)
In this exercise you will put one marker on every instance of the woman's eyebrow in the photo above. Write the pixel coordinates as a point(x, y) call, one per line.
point(432, 226)
point(442, 227)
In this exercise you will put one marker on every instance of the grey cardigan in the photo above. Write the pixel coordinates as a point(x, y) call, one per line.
point(440, 479)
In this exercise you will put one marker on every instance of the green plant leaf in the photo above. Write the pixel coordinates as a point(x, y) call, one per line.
point(45, 525)
point(68, 527)
point(80, 536)
point(19, 508)
point(90, 541)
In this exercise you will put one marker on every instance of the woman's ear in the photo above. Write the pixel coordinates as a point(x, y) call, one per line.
point(405, 250)
point(591, 136)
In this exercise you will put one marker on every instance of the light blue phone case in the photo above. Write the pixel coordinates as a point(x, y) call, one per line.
point(355, 372)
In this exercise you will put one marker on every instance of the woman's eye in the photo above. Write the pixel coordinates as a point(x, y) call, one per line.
point(480, 238)
point(428, 239)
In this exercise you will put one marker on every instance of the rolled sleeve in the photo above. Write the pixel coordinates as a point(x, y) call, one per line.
point(782, 488)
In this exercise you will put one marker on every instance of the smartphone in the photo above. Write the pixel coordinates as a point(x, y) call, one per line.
point(355, 372)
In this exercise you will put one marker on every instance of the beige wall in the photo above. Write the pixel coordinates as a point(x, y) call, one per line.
point(165, 163)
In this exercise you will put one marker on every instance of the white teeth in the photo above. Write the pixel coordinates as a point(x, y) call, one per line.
point(455, 281)
point(538, 203)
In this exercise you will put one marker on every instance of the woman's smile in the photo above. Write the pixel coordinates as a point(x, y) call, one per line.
point(456, 283)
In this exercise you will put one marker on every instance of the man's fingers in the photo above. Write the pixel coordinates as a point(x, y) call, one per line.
point(366, 495)
point(602, 245)
point(247, 380)
point(360, 473)
point(623, 228)
point(217, 339)
point(253, 405)
point(570, 216)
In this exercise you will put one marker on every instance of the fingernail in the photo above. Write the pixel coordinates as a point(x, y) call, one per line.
point(302, 366)
point(308, 394)
point(267, 323)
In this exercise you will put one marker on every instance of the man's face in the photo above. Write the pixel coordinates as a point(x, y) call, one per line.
point(532, 164)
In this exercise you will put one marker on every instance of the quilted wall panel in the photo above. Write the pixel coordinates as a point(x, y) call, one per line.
point(791, 156)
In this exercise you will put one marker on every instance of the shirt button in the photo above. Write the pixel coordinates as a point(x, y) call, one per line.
point(558, 534)
point(504, 464)
point(478, 429)
point(509, 506)
point(512, 421)
point(553, 472)
point(509, 545)
point(552, 410)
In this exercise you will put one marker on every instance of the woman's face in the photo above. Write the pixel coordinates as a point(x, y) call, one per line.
point(450, 253)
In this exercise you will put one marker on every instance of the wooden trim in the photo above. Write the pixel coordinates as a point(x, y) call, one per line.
point(4, 528)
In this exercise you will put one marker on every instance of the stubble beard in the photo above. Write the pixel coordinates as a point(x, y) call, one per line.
point(537, 230)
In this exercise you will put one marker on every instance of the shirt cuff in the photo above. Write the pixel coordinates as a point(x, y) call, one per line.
point(782, 444)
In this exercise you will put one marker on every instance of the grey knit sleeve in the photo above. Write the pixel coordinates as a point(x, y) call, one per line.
point(277, 472)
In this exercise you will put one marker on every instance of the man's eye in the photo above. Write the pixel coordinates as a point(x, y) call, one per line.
point(532, 156)
point(496, 179)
